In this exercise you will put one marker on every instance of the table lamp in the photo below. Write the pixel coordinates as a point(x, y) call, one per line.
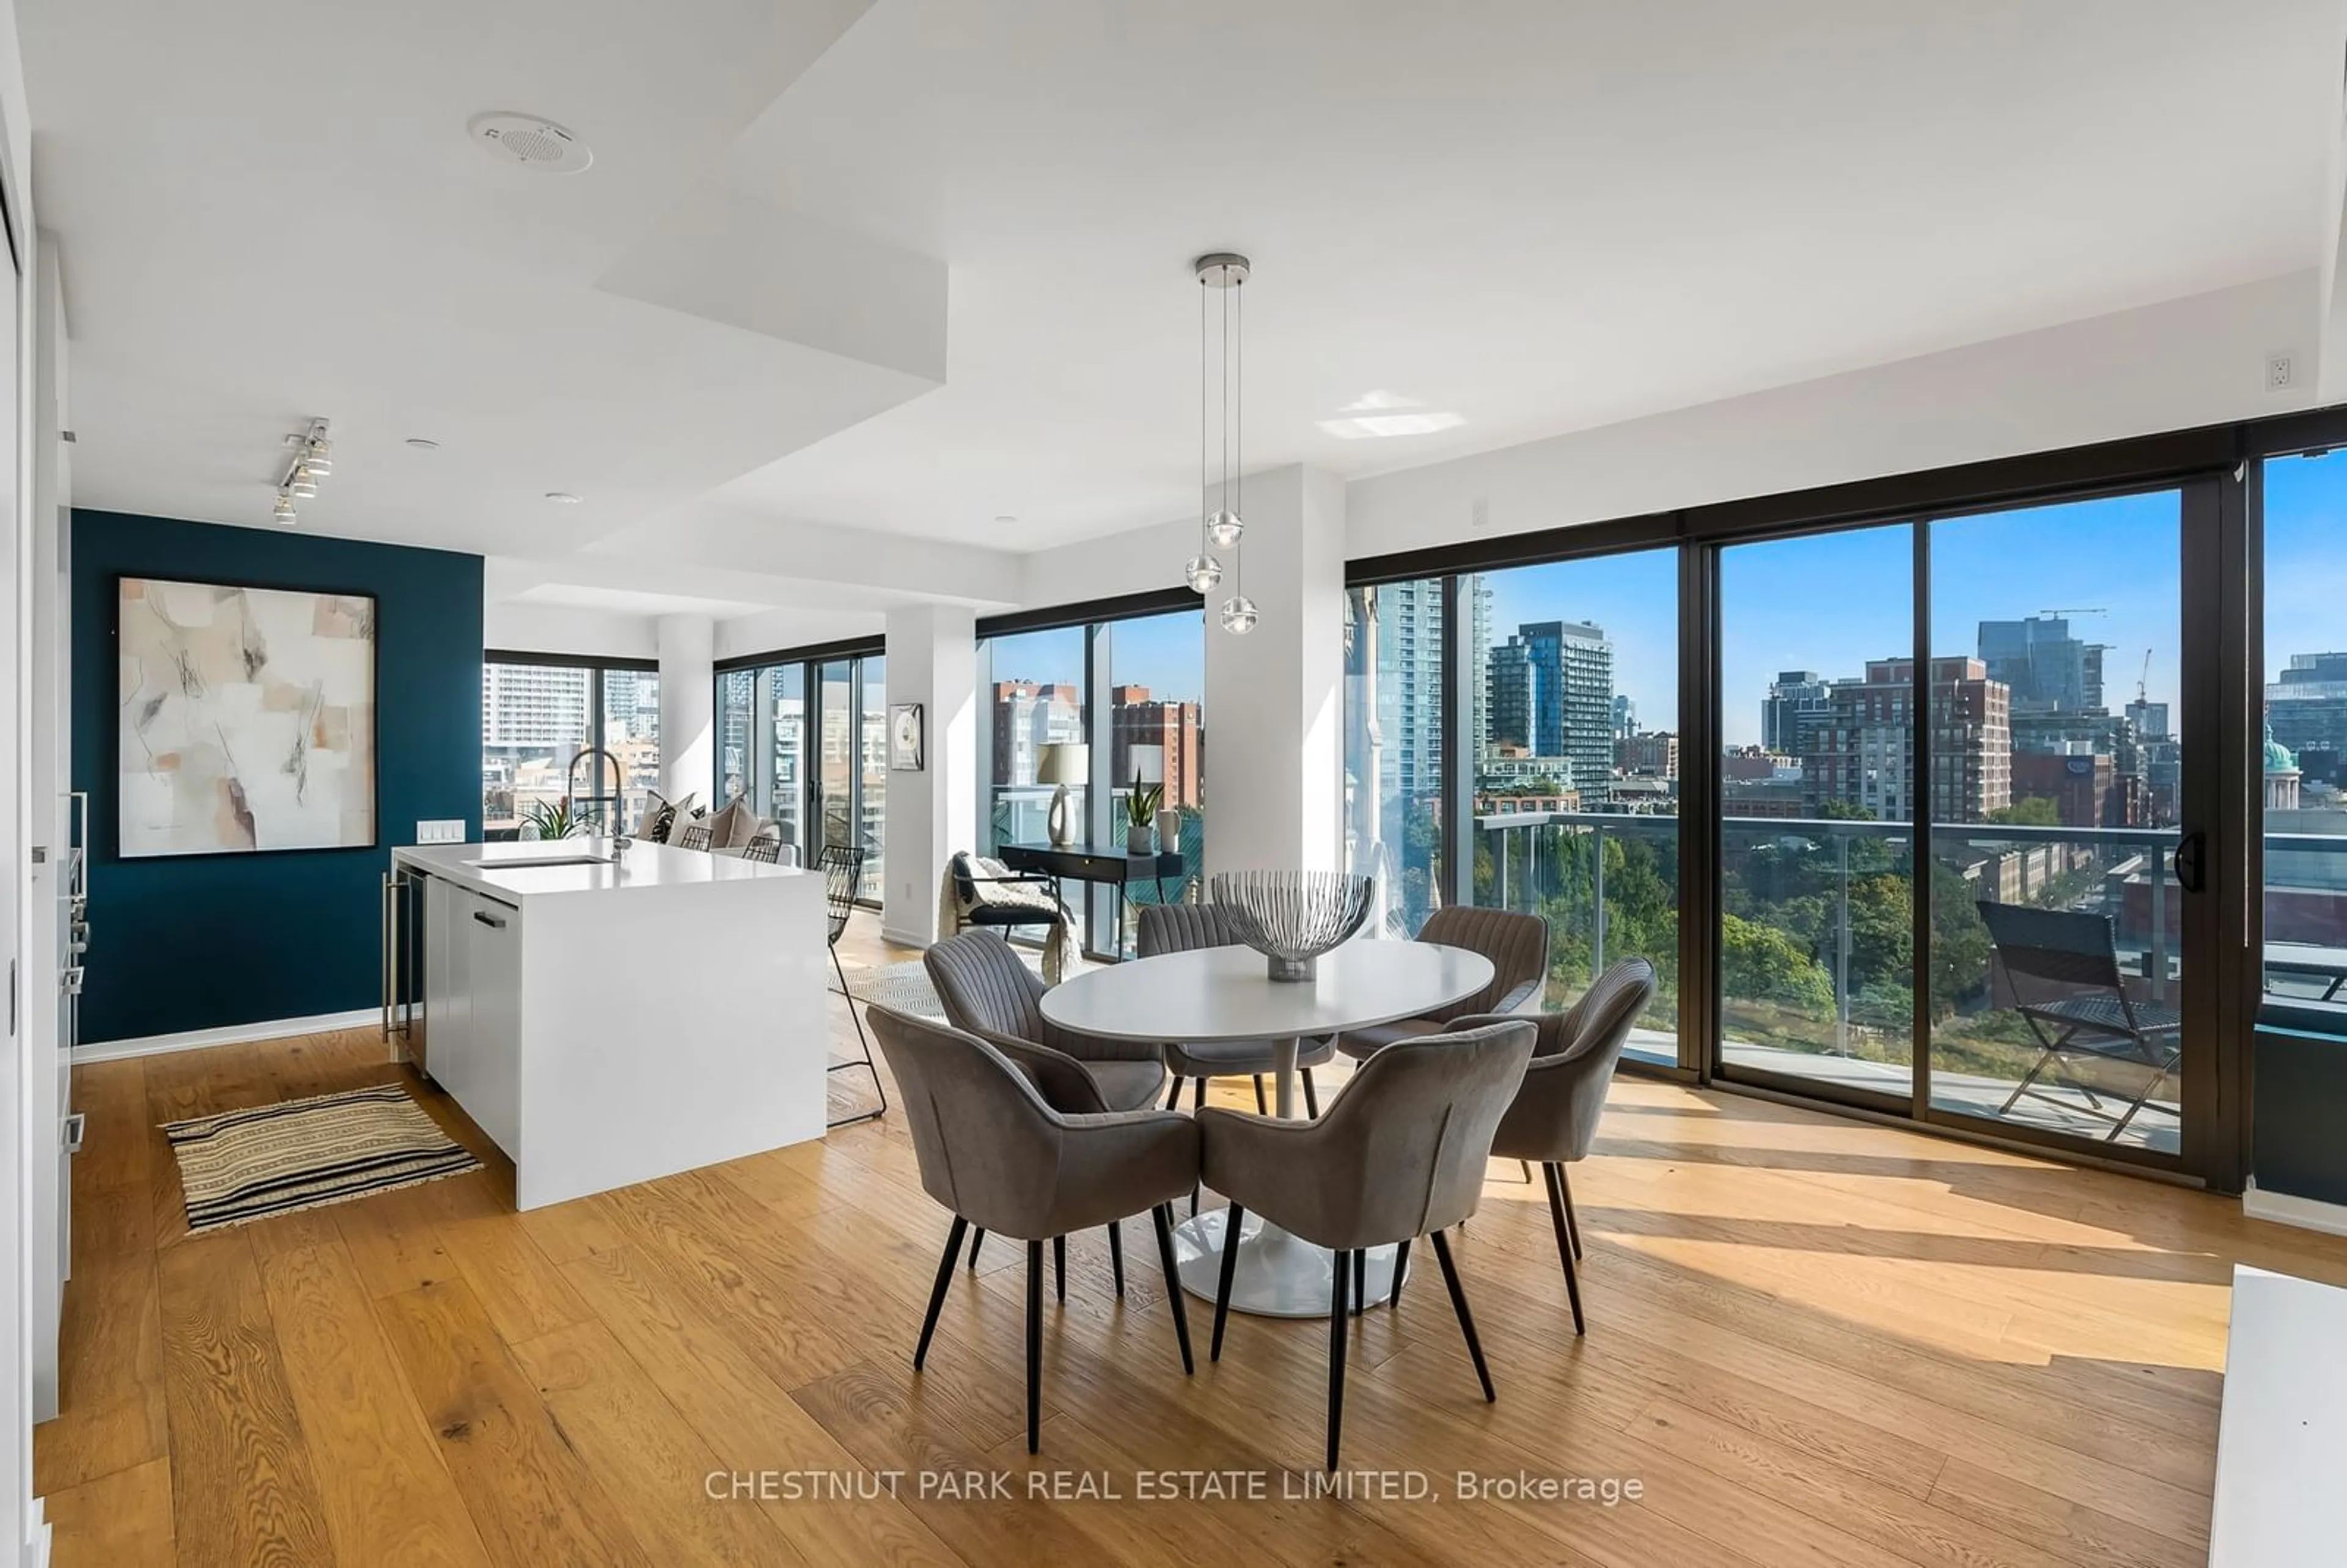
point(1063, 763)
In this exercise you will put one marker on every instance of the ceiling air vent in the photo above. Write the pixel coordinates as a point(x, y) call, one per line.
point(529, 142)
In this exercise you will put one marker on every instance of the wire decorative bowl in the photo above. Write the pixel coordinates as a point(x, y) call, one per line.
point(1291, 917)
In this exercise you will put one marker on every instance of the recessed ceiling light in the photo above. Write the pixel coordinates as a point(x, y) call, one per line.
point(528, 141)
point(1006, 520)
point(562, 497)
point(1371, 427)
point(424, 444)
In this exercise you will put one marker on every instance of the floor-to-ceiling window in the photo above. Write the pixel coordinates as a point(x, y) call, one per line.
point(2300, 758)
point(1815, 920)
point(1128, 689)
point(1394, 740)
point(1572, 678)
point(2058, 758)
point(804, 739)
point(540, 717)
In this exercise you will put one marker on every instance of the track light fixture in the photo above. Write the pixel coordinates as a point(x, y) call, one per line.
point(311, 459)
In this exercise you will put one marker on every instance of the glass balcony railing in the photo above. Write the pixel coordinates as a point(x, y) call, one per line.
point(1818, 955)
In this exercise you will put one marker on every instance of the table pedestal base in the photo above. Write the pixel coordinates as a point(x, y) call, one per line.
point(1279, 1274)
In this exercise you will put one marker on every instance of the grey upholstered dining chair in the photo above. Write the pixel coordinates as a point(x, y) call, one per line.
point(988, 991)
point(1185, 928)
point(997, 1156)
point(1554, 1118)
point(1517, 946)
point(1400, 1154)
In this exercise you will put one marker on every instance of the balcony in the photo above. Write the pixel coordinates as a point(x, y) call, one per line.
point(1817, 951)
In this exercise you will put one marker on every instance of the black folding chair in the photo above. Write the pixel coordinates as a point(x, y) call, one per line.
point(2063, 972)
point(843, 873)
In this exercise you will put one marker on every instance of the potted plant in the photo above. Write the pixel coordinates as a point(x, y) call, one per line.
point(553, 819)
point(1141, 817)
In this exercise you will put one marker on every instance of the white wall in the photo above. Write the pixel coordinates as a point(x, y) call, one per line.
point(1275, 697)
point(932, 660)
point(778, 631)
point(2191, 362)
point(567, 628)
point(687, 701)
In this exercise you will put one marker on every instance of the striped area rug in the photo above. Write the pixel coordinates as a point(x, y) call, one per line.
point(244, 1166)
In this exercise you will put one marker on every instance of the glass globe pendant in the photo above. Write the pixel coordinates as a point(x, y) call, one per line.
point(1238, 615)
point(1203, 572)
point(1223, 528)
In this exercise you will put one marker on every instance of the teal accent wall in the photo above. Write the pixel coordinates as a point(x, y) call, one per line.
point(209, 941)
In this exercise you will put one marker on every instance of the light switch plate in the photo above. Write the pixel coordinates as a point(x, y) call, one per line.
point(447, 830)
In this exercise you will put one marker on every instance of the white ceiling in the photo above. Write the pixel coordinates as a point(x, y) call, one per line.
point(1538, 216)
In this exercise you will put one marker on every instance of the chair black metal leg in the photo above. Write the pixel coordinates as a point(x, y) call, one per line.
point(1401, 1267)
point(1059, 1267)
point(938, 1291)
point(1261, 1106)
point(1034, 1344)
point(1232, 1219)
point(1311, 1096)
point(1164, 1215)
point(865, 1062)
point(1563, 1242)
point(1572, 1223)
point(1174, 1095)
point(1360, 1278)
point(1339, 1277)
point(1116, 1252)
point(1466, 1318)
point(977, 1240)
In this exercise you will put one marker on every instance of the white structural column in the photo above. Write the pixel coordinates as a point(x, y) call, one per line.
point(688, 702)
point(1276, 697)
point(933, 661)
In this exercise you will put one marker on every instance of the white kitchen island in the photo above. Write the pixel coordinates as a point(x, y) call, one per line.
point(608, 1016)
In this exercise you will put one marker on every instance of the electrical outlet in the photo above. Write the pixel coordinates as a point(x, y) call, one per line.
point(2281, 374)
point(445, 830)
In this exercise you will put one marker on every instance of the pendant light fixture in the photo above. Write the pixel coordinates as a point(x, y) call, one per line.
point(1222, 365)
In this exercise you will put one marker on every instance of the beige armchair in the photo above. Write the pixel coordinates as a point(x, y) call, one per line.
point(1554, 1120)
point(997, 1156)
point(1401, 1153)
point(1517, 946)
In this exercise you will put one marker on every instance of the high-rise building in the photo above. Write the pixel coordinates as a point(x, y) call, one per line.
point(1510, 681)
point(1864, 754)
point(1028, 716)
point(2307, 708)
point(2087, 789)
point(1135, 720)
point(1798, 701)
point(1625, 717)
point(1409, 715)
point(1569, 697)
point(1476, 593)
point(536, 707)
point(2149, 719)
point(2046, 668)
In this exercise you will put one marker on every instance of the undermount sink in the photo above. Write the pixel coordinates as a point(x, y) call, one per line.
point(536, 862)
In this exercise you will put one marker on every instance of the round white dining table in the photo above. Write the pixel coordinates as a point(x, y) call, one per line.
point(1216, 994)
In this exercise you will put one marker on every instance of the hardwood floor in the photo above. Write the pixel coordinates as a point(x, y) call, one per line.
point(1810, 1342)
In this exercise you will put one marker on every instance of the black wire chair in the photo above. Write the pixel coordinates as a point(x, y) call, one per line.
point(842, 873)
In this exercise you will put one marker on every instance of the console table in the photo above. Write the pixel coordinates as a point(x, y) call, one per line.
point(1106, 863)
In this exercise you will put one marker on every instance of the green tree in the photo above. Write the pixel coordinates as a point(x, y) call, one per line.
point(1760, 963)
point(2030, 811)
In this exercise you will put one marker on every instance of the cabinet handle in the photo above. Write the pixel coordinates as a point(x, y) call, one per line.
point(488, 919)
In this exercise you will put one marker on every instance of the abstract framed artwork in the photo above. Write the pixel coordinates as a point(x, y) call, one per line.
point(246, 719)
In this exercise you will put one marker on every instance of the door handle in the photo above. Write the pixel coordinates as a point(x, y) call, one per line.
point(2191, 856)
point(490, 920)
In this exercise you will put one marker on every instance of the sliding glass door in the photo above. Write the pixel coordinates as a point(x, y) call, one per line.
point(804, 741)
point(2012, 688)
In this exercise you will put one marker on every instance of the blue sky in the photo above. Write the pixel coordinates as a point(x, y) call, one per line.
point(1166, 653)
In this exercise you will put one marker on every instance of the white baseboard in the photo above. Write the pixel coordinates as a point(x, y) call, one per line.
point(906, 939)
point(2282, 1208)
point(227, 1034)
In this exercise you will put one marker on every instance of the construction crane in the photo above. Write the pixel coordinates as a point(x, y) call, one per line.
point(2143, 681)
point(2084, 610)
